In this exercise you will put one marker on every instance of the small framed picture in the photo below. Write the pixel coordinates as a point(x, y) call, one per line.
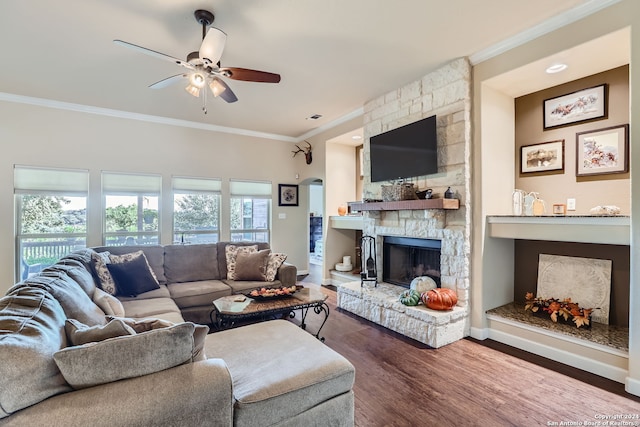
point(544, 157)
point(602, 151)
point(287, 195)
point(580, 106)
point(559, 209)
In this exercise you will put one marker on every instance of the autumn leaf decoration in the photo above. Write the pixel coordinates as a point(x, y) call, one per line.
point(557, 309)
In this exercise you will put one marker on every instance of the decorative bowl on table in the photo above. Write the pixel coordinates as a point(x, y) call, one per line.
point(272, 293)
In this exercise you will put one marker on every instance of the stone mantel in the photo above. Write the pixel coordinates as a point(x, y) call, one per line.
point(612, 230)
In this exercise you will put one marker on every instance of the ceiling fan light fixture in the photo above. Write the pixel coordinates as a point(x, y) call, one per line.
point(193, 90)
point(197, 80)
point(217, 87)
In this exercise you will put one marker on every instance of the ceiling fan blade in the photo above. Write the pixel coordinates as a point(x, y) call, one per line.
point(221, 89)
point(212, 46)
point(153, 53)
point(250, 75)
point(167, 82)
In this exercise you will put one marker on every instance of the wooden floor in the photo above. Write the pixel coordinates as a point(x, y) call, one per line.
point(400, 382)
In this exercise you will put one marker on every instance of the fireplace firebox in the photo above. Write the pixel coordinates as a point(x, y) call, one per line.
point(405, 258)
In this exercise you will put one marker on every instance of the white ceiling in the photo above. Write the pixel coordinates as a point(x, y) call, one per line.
point(333, 55)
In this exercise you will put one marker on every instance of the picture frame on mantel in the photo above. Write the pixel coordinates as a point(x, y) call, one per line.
point(583, 105)
point(287, 195)
point(543, 157)
point(602, 151)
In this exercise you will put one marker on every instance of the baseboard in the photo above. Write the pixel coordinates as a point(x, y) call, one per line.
point(479, 333)
point(632, 386)
point(572, 359)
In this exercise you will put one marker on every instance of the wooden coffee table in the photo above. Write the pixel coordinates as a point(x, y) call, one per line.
point(230, 312)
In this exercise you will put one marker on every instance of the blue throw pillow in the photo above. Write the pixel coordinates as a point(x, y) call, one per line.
point(132, 277)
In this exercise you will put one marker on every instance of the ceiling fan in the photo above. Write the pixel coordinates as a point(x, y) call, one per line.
point(203, 67)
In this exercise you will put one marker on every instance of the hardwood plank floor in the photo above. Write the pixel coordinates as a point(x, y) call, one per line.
point(400, 382)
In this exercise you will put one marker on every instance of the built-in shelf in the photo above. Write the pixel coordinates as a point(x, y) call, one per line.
point(405, 205)
point(347, 222)
point(611, 230)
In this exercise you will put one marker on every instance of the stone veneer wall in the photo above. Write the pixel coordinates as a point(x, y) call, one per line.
point(446, 93)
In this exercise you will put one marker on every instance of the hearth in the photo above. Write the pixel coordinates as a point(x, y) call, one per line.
point(405, 258)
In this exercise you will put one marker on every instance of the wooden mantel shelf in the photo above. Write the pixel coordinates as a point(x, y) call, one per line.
point(405, 205)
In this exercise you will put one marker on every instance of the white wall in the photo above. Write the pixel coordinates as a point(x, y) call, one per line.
point(41, 136)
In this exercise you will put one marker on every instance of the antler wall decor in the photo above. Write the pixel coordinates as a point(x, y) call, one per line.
point(306, 151)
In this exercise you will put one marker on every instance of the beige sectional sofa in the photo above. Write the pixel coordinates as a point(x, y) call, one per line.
point(151, 367)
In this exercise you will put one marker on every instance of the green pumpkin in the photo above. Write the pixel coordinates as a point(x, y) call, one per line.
point(410, 297)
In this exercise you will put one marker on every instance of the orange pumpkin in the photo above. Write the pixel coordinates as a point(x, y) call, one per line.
point(440, 299)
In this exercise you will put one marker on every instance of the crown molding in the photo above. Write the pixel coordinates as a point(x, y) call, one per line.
point(68, 106)
point(551, 24)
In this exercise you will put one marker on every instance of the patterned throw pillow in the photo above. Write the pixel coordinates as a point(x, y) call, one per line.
point(274, 263)
point(100, 261)
point(231, 252)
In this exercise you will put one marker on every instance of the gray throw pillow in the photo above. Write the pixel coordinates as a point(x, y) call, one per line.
point(103, 362)
point(132, 277)
point(78, 333)
point(252, 266)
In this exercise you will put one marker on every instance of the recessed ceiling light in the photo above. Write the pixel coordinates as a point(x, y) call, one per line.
point(356, 137)
point(556, 68)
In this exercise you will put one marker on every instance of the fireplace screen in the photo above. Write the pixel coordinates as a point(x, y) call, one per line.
point(405, 258)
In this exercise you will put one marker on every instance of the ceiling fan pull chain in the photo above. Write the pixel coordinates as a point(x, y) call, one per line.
point(204, 102)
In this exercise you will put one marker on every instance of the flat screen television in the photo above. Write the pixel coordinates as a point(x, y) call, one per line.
point(405, 152)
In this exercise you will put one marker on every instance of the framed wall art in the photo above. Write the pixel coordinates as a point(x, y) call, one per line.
point(585, 104)
point(544, 157)
point(287, 195)
point(602, 151)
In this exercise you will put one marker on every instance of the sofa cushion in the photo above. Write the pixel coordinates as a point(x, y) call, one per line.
point(74, 301)
point(108, 303)
point(77, 270)
point(133, 277)
point(251, 266)
point(198, 294)
point(153, 253)
point(94, 363)
point(149, 307)
point(297, 371)
point(188, 263)
point(78, 333)
point(231, 254)
point(161, 292)
point(274, 263)
point(31, 331)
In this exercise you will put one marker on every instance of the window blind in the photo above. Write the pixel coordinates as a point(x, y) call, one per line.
point(250, 188)
point(134, 183)
point(35, 179)
point(196, 184)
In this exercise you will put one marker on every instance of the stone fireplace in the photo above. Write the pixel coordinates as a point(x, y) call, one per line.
point(446, 94)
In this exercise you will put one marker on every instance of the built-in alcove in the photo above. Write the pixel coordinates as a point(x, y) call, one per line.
point(526, 255)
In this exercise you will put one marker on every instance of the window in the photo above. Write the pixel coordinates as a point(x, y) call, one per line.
point(131, 205)
point(51, 216)
point(250, 211)
point(196, 210)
